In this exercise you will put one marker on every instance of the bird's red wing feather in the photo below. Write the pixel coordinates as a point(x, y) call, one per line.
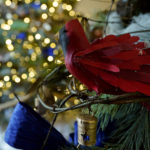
point(125, 84)
point(111, 41)
point(100, 65)
point(119, 61)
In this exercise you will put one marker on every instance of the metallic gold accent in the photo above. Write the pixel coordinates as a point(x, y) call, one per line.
point(87, 126)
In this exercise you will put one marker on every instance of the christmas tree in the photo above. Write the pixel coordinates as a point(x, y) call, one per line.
point(33, 71)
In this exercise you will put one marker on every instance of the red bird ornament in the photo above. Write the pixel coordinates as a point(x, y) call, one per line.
point(111, 65)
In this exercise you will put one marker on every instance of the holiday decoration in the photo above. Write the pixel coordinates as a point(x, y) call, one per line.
point(28, 131)
point(87, 126)
point(29, 50)
point(93, 128)
point(113, 72)
point(115, 64)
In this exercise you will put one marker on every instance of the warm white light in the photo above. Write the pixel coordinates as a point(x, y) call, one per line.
point(72, 13)
point(76, 101)
point(10, 47)
point(50, 58)
point(8, 84)
point(58, 61)
point(28, 1)
point(52, 10)
point(30, 38)
point(31, 74)
point(68, 7)
point(6, 78)
point(5, 26)
point(10, 22)
point(47, 40)
point(9, 64)
point(1, 94)
point(24, 76)
point(64, 6)
point(8, 41)
point(43, 6)
point(55, 52)
point(8, 2)
point(38, 36)
point(55, 98)
point(13, 71)
point(26, 20)
point(1, 84)
point(81, 87)
point(52, 45)
point(45, 64)
point(44, 16)
point(55, 4)
point(33, 29)
point(11, 96)
point(17, 79)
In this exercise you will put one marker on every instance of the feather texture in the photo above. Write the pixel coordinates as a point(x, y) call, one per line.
point(113, 65)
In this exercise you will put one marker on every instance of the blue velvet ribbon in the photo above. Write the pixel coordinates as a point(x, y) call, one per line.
point(27, 130)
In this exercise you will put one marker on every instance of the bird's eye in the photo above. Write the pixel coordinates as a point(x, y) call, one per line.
point(65, 30)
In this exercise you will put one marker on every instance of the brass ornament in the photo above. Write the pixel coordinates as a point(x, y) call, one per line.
point(87, 126)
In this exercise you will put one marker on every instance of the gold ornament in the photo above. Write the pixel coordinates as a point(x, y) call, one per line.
point(87, 126)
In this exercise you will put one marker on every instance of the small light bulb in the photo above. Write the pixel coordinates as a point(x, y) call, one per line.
point(8, 2)
point(34, 29)
point(8, 84)
point(6, 78)
point(1, 84)
point(64, 6)
point(55, 4)
point(26, 20)
point(10, 22)
point(13, 71)
point(10, 47)
point(31, 74)
point(50, 58)
point(51, 9)
point(72, 13)
point(45, 64)
point(1, 94)
point(47, 40)
point(9, 64)
point(11, 96)
point(52, 45)
point(30, 38)
point(68, 7)
point(5, 26)
point(43, 6)
point(37, 36)
point(55, 52)
point(8, 41)
point(17, 79)
point(24, 76)
point(44, 16)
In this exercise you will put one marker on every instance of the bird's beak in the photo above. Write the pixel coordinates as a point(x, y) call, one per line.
point(56, 37)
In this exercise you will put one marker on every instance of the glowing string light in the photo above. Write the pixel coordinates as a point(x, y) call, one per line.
point(6, 78)
point(43, 6)
point(51, 9)
point(1, 84)
point(55, 3)
point(50, 58)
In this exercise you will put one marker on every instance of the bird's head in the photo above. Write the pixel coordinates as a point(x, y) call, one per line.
point(63, 39)
point(72, 34)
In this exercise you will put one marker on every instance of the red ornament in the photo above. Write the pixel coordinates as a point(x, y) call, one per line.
point(112, 65)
